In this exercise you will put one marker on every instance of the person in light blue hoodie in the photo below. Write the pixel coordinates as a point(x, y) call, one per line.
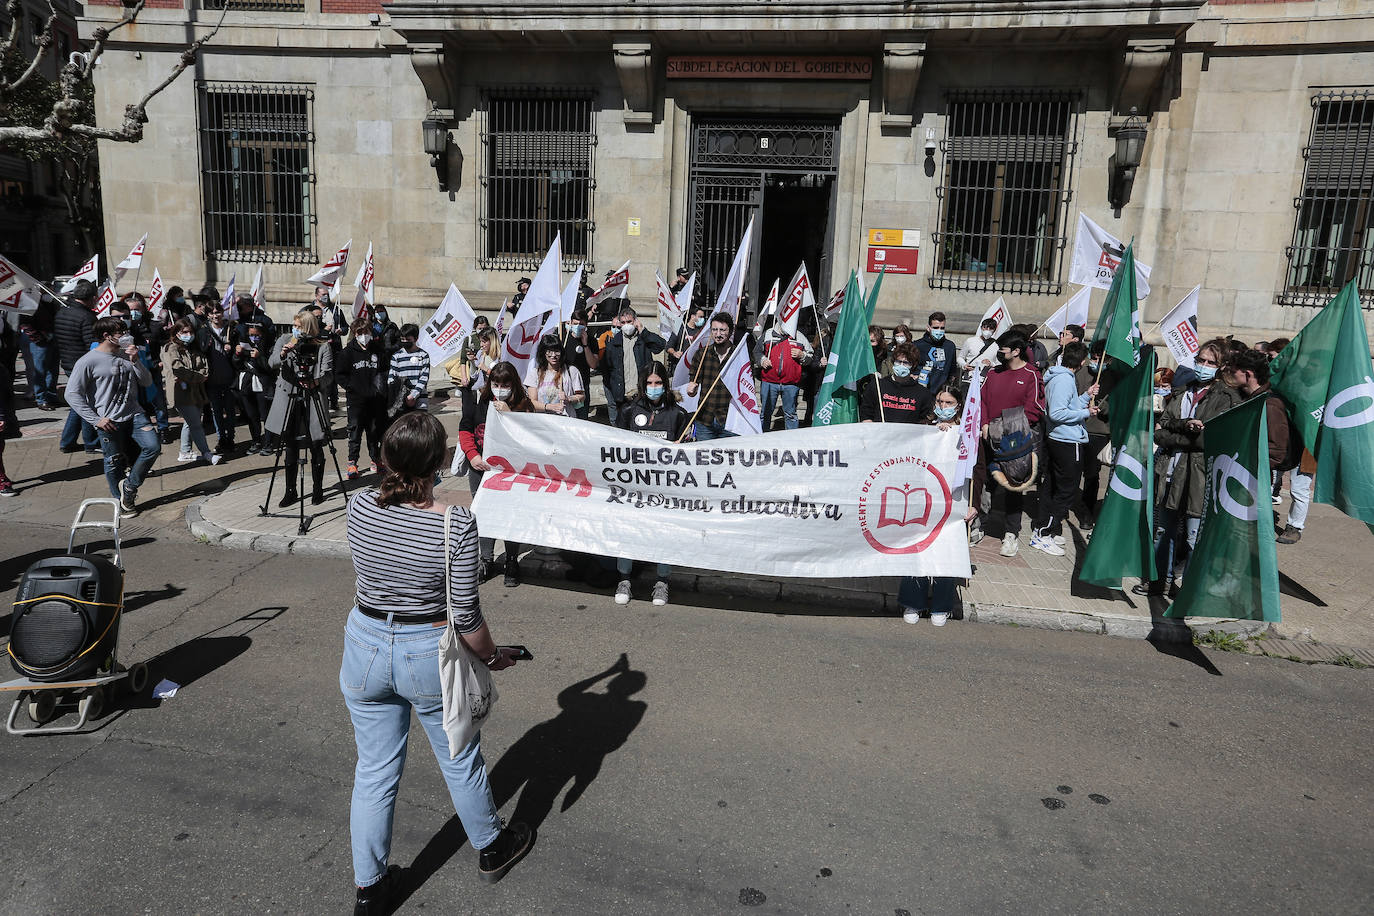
point(1065, 415)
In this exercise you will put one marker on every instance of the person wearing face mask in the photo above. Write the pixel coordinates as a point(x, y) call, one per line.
point(900, 334)
point(919, 595)
point(1067, 409)
point(897, 397)
point(385, 334)
point(502, 392)
point(221, 340)
point(979, 353)
point(1013, 397)
point(360, 375)
point(579, 352)
point(693, 326)
point(304, 365)
point(253, 384)
point(407, 378)
point(631, 348)
point(176, 304)
point(103, 389)
point(938, 355)
point(654, 412)
point(186, 370)
point(132, 308)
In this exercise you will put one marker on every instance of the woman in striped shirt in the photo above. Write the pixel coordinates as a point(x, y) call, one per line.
point(391, 655)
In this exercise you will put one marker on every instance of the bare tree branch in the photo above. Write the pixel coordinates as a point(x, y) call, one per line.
point(44, 42)
point(15, 10)
point(101, 35)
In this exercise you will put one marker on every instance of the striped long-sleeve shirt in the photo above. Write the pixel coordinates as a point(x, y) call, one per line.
point(398, 555)
point(412, 369)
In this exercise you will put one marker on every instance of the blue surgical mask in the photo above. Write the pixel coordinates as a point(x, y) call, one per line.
point(1092, 365)
point(654, 392)
point(901, 370)
point(937, 333)
point(135, 315)
point(576, 329)
point(1205, 373)
point(1163, 391)
point(700, 322)
point(184, 338)
point(297, 333)
point(946, 413)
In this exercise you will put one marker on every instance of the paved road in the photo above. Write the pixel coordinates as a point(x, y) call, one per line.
point(765, 762)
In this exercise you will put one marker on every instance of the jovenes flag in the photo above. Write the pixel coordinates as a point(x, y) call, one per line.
point(1075, 311)
point(1325, 379)
point(1179, 328)
point(543, 297)
point(866, 500)
point(443, 335)
point(998, 312)
point(1234, 571)
point(1119, 321)
point(1123, 541)
point(1096, 255)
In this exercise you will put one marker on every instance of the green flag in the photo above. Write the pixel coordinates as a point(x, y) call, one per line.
point(851, 358)
point(1234, 570)
point(1123, 541)
point(1119, 321)
point(1324, 378)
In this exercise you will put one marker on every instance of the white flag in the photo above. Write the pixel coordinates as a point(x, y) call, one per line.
point(328, 275)
point(617, 286)
point(1075, 311)
point(19, 299)
point(544, 295)
point(770, 305)
point(156, 294)
point(568, 301)
point(89, 271)
point(1179, 328)
point(737, 375)
point(727, 302)
point(230, 302)
point(26, 292)
point(969, 428)
point(104, 298)
point(669, 311)
point(259, 298)
point(999, 311)
point(832, 308)
point(1096, 255)
point(684, 295)
point(336, 291)
point(133, 261)
point(799, 296)
point(363, 281)
point(519, 345)
point(443, 335)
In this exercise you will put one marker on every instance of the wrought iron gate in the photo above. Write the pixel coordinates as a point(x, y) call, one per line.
point(730, 162)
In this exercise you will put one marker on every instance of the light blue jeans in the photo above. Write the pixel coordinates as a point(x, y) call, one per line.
point(192, 431)
point(387, 669)
point(624, 567)
point(770, 394)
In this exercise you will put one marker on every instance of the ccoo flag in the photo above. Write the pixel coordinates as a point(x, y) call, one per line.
point(1324, 377)
point(1234, 571)
point(1119, 321)
point(1123, 541)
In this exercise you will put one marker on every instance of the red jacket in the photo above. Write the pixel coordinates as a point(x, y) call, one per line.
point(1006, 388)
point(784, 369)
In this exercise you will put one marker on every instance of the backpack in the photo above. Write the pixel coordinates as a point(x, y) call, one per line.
point(1011, 444)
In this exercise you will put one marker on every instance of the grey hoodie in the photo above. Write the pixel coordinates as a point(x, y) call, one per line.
point(106, 386)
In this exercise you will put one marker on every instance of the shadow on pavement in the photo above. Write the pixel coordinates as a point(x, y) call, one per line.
point(567, 748)
point(1293, 589)
point(187, 663)
point(1174, 638)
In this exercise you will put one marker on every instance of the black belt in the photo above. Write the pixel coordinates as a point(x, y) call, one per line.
point(436, 617)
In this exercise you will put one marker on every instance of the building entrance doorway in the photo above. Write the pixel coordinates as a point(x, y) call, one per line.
point(781, 172)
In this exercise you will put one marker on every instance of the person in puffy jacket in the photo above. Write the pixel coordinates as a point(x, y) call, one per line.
point(784, 357)
point(1066, 412)
point(360, 374)
point(73, 332)
point(253, 382)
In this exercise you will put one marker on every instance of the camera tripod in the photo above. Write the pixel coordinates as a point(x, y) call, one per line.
point(298, 400)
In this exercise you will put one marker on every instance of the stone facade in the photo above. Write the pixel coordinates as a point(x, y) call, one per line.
point(1226, 88)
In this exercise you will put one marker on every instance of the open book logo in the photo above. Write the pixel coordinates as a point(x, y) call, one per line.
point(904, 505)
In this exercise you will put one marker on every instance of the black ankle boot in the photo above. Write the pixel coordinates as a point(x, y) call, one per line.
point(317, 476)
point(376, 899)
point(288, 498)
point(512, 572)
point(511, 845)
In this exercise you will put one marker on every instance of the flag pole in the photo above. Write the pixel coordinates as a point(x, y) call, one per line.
point(701, 402)
point(882, 415)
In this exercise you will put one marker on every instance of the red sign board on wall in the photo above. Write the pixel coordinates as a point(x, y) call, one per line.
point(896, 260)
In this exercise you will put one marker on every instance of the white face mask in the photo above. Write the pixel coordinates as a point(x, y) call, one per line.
point(500, 394)
point(364, 339)
point(899, 339)
point(985, 334)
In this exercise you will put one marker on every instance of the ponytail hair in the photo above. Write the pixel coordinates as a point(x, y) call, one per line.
point(412, 450)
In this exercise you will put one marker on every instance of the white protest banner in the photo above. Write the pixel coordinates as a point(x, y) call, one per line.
point(799, 296)
point(999, 312)
point(969, 427)
point(770, 305)
point(363, 282)
point(1075, 311)
point(230, 302)
point(684, 295)
point(156, 294)
point(871, 499)
point(737, 375)
point(89, 271)
point(104, 298)
point(1179, 328)
point(668, 309)
point(517, 348)
point(443, 335)
point(27, 291)
point(1096, 255)
point(333, 269)
point(617, 286)
point(133, 261)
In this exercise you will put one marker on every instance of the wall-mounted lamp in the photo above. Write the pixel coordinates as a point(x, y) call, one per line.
point(1130, 149)
point(930, 152)
point(436, 144)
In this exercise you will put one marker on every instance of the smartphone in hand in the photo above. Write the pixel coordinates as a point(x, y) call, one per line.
point(520, 653)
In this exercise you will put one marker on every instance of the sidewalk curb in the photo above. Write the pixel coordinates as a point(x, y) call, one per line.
point(538, 565)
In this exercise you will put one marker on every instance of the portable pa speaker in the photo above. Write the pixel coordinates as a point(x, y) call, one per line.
point(66, 617)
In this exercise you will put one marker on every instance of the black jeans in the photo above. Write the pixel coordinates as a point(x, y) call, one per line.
point(1061, 485)
point(222, 409)
point(1004, 516)
point(248, 405)
point(294, 435)
point(1092, 475)
point(366, 415)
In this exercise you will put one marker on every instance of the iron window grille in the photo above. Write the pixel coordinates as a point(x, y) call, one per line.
point(1005, 190)
point(1333, 231)
point(269, 6)
point(538, 175)
point(257, 172)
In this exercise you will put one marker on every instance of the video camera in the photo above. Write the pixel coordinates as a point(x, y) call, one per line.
point(299, 363)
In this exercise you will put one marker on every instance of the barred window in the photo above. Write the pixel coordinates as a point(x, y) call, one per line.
point(1333, 233)
point(538, 174)
point(257, 172)
point(1008, 178)
point(272, 6)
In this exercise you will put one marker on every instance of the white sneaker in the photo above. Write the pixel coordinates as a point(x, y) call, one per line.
point(211, 458)
point(1059, 539)
point(660, 593)
point(1010, 544)
point(622, 592)
point(1040, 542)
point(1277, 500)
point(911, 615)
point(938, 618)
point(186, 456)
